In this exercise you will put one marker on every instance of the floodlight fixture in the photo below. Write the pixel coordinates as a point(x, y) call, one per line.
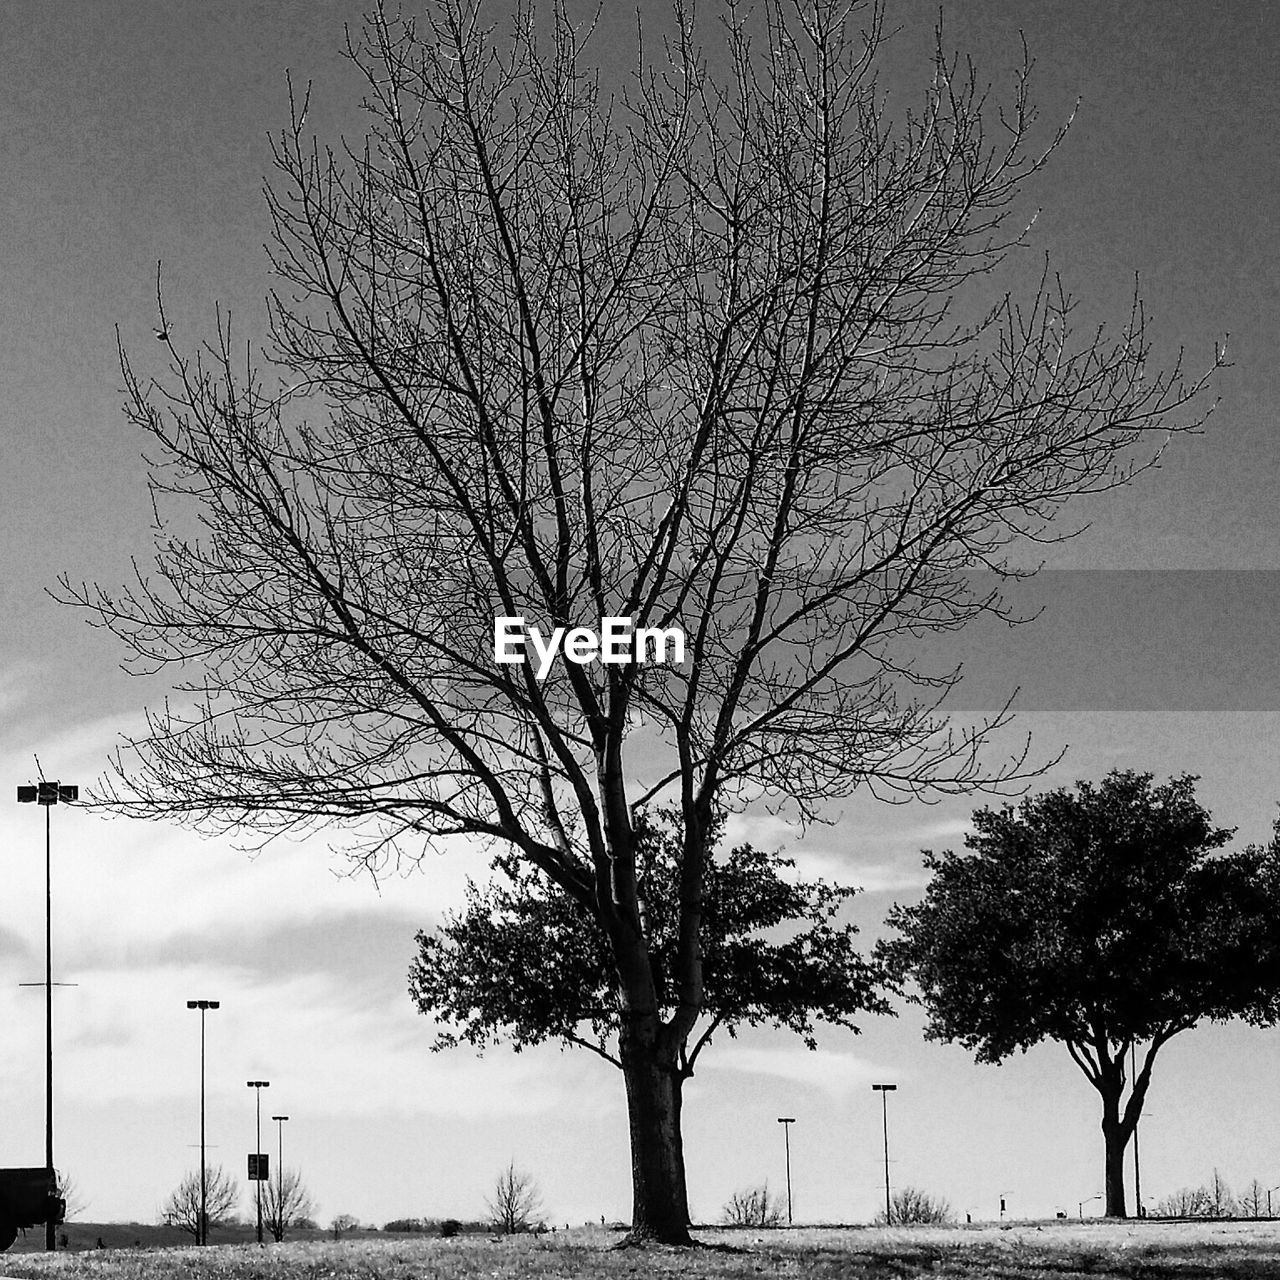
point(884, 1090)
point(202, 1225)
point(48, 794)
point(786, 1122)
point(257, 1086)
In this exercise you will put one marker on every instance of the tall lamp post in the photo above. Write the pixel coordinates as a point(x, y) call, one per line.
point(280, 1170)
point(1137, 1170)
point(48, 794)
point(257, 1086)
point(786, 1122)
point(202, 1226)
point(884, 1090)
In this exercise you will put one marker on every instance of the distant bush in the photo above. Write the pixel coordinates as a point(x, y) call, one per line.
point(433, 1226)
point(754, 1207)
point(910, 1206)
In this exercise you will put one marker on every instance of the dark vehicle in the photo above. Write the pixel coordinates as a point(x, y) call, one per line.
point(28, 1197)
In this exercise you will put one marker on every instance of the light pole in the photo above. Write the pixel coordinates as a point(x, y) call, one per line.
point(1137, 1175)
point(257, 1086)
point(202, 1226)
point(884, 1090)
point(786, 1122)
point(1081, 1204)
point(280, 1171)
point(48, 794)
point(1269, 1191)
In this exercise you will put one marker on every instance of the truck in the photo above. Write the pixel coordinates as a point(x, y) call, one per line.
point(28, 1197)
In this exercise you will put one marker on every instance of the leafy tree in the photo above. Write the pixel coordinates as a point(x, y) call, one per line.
point(754, 1207)
point(730, 356)
point(1103, 919)
point(520, 964)
point(342, 1224)
point(286, 1203)
point(515, 1203)
point(182, 1209)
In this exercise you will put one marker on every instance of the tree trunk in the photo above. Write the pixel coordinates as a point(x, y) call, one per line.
point(660, 1206)
point(1115, 1138)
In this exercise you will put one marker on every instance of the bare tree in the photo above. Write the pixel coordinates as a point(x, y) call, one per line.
point(1220, 1202)
point(1214, 1200)
point(1189, 1202)
point(286, 1203)
point(1253, 1201)
point(72, 1197)
point(754, 1207)
point(182, 1209)
point(731, 356)
point(516, 1201)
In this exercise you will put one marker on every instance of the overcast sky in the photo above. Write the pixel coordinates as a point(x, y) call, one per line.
point(135, 131)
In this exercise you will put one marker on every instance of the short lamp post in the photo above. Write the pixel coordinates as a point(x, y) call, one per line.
point(48, 794)
point(1081, 1204)
point(280, 1172)
point(884, 1090)
point(786, 1122)
point(1269, 1191)
point(202, 1226)
point(257, 1086)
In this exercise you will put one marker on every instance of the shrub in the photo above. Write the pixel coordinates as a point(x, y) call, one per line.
point(754, 1207)
point(911, 1206)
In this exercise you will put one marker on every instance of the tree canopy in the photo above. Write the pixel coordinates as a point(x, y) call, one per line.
point(520, 964)
point(1104, 918)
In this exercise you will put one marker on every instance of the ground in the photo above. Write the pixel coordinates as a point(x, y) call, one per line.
point(1023, 1251)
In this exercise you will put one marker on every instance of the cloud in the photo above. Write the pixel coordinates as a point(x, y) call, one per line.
point(836, 1074)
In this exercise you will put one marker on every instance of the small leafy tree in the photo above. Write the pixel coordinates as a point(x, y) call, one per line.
point(911, 1206)
point(516, 1201)
point(754, 1207)
point(182, 1209)
point(286, 1203)
point(342, 1223)
point(1104, 919)
point(519, 963)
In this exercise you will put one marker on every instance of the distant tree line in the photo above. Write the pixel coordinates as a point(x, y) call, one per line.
point(1214, 1200)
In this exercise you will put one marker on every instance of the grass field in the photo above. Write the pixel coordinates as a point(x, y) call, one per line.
point(1051, 1251)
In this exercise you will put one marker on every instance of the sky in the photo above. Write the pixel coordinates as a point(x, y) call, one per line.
point(137, 132)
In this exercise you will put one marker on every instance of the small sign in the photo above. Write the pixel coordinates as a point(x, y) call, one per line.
point(258, 1166)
